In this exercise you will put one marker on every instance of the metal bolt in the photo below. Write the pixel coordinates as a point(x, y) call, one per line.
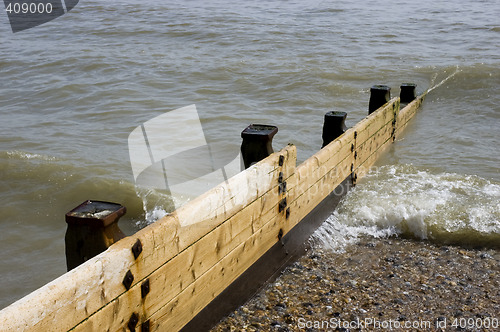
point(145, 326)
point(281, 160)
point(280, 234)
point(128, 280)
point(132, 323)
point(280, 177)
point(282, 188)
point(137, 248)
point(145, 288)
point(287, 213)
point(282, 205)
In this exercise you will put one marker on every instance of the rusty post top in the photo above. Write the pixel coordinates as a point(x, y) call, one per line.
point(333, 126)
point(382, 87)
point(379, 95)
point(259, 132)
point(336, 114)
point(95, 213)
point(408, 92)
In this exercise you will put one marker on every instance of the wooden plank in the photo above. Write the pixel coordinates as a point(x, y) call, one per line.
point(369, 126)
point(178, 273)
point(192, 300)
point(318, 166)
point(369, 133)
point(301, 203)
point(406, 113)
point(332, 153)
point(381, 145)
point(66, 294)
point(218, 278)
point(73, 297)
point(187, 304)
point(371, 149)
point(243, 189)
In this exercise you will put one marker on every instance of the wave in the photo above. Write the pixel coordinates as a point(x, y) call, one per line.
point(15, 154)
point(155, 205)
point(445, 208)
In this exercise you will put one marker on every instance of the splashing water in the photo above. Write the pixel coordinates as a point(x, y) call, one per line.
point(446, 208)
point(434, 86)
point(155, 204)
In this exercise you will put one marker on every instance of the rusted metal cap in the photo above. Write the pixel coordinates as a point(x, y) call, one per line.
point(95, 213)
point(259, 132)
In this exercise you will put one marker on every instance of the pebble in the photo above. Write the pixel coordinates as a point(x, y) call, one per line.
point(432, 283)
point(485, 256)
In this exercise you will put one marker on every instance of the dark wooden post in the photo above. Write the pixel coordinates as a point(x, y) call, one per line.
point(408, 92)
point(257, 143)
point(379, 95)
point(92, 228)
point(334, 126)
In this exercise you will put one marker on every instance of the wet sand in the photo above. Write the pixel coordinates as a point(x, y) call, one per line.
point(377, 285)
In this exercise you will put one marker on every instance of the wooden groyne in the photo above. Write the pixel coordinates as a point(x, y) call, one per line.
point(162, 277)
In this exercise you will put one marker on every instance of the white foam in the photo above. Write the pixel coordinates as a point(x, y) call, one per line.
point(155, 205)
point(401, 199)
point(28, 156)
point(154, 215)
point(335, 236)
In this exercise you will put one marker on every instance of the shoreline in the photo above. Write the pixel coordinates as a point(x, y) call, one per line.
point(378, 284)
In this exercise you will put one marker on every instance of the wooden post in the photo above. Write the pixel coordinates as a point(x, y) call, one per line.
point(92, 228)
point(334, 126)
point(408, 93)
point(257, 143)
point(379, 95)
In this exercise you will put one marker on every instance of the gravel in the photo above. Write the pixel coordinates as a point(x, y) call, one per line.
point(379, 284)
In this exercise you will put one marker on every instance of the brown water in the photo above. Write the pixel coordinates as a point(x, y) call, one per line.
point(74, 89)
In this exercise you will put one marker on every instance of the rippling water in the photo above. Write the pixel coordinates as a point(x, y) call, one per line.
point(74, 88)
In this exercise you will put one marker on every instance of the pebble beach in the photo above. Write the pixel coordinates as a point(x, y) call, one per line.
point(377, 285)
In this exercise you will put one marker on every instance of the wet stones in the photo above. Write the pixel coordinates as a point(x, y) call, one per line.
point(385, 279)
